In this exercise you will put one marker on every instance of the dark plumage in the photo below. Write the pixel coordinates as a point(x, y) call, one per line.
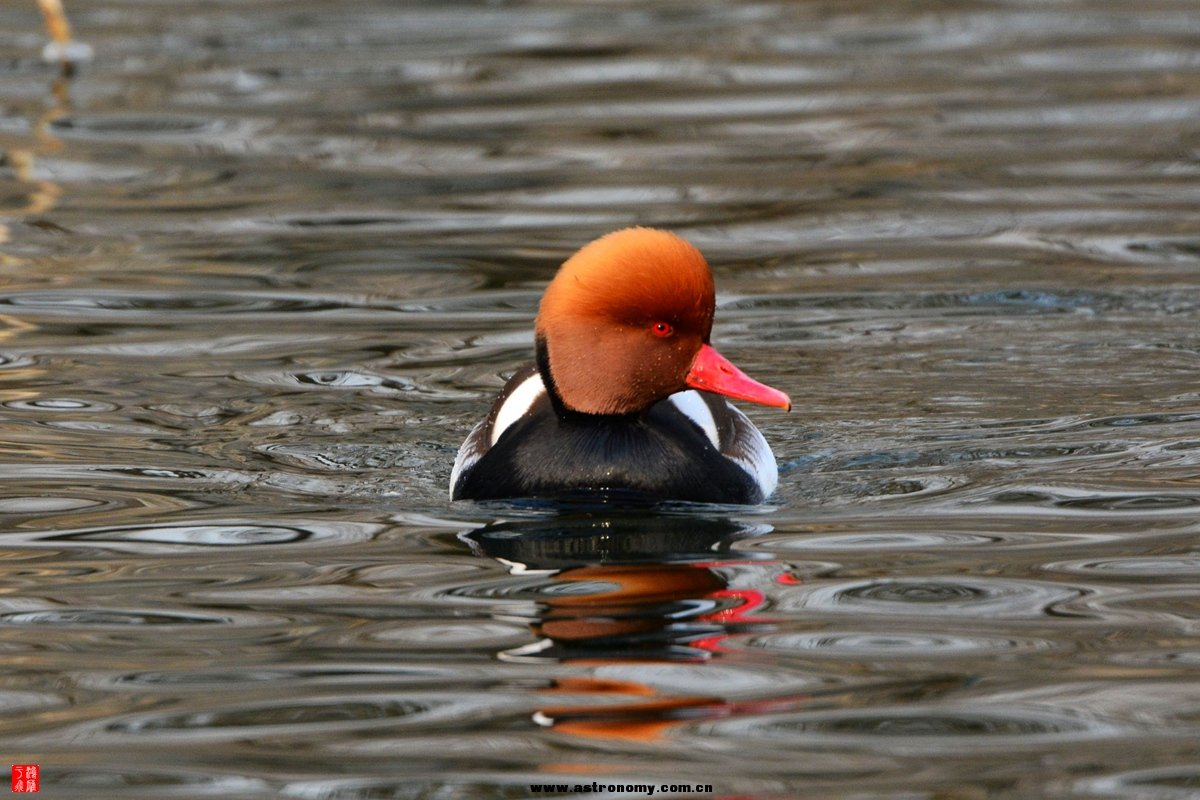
point(610, 407)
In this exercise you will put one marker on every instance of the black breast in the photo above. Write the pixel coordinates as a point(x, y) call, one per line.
point(657, 455)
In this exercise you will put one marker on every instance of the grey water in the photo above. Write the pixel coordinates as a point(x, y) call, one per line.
point(262, 265)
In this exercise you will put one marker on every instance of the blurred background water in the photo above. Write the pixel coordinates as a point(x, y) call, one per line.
point(263, 264)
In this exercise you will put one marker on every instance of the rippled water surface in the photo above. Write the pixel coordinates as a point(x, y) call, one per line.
point(263, 264)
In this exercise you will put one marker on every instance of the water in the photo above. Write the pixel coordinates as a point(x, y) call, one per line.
point(263, 266)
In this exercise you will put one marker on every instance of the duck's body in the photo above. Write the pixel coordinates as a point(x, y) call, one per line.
point(693, 446)
point(606, 409)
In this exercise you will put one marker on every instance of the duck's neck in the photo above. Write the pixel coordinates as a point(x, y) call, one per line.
point(542, 357)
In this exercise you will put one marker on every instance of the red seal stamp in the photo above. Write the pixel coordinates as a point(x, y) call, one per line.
point(26, 777)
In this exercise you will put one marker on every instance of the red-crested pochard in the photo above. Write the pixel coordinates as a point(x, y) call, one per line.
point(622, 400)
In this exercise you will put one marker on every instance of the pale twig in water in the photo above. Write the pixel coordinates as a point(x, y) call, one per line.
point(61, 48)
point(44, 193)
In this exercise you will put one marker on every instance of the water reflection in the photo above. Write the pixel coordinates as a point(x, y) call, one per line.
point(264, 262)
point(627, 587)
point(632, 586)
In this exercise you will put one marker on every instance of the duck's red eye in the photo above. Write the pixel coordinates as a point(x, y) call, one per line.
point(662, 329)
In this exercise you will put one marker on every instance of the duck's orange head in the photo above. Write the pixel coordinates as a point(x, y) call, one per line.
point(626, 322)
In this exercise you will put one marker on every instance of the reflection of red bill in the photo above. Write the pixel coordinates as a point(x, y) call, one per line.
point(748, 601)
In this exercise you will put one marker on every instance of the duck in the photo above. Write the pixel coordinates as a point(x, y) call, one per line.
point(626, 398)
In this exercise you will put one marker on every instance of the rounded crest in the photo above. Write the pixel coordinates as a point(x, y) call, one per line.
point(623, 319)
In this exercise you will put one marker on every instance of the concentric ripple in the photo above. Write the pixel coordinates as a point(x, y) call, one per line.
point(1164, 783)
point(1160, 568)
point(892, 644)
point(146, 128)
point(148, 782)
point(67, 404)
point(87, 617)
point(920, 730)
point(221, 534)
point(933, 597)
point(319, 714)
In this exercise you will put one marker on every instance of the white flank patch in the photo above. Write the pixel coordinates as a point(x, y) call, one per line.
point(691, 406)
point(515, 406)
point(468, 454)
point(518, 404)
point(755, 456)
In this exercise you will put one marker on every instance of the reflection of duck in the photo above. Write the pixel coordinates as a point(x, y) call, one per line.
point(622, 333)
point(565, 541)
point(631, 611)
point(624, 586)
point(627, 587)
